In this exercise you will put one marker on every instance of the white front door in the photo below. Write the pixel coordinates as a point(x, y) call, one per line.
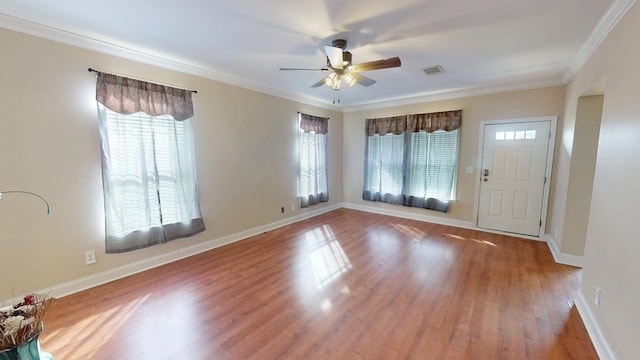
point(513, 176)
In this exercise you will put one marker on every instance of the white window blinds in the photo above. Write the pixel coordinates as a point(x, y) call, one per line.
point(412, 160)
point(312, 160)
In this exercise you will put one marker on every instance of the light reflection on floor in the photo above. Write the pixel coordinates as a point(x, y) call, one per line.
point(104, 325)
point(327, 258)
point(142, 334)
point(411, 231)
point(485, 242)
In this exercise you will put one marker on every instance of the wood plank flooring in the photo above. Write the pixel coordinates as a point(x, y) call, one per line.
point(343, 285)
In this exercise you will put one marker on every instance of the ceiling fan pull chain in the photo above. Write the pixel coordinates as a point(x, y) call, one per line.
point(336, 96)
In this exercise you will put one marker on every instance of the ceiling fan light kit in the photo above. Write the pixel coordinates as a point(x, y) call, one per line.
point(333, 81)
point(341, 68)
point(349, 79)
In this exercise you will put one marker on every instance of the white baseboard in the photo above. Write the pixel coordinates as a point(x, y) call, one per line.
point(605, 352)
point(602, 346)
point(561, 258)
point(410, 215)
point(77, 285)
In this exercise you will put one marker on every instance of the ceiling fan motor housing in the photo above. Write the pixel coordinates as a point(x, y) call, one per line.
point(346, 71)
point(346, 55)
point(346, 60)
point(339, 43)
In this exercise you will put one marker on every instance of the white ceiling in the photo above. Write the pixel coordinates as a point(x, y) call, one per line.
point(484, 46)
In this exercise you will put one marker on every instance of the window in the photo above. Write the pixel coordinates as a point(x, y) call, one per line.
point(149, 173)
point(516, 135)
point(312, 171)
point(384, 167)
point(432, 164)
point(412, 161)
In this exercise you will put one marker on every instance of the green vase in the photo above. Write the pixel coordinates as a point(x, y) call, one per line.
point(27, 351)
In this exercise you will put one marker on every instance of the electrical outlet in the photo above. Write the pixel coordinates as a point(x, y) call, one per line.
point(89, 257)
point(282, 209)
point(597, 297)
point(293, 207)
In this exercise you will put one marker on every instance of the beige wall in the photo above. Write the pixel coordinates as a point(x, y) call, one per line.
point(510, 105)
point(49, 143)
point(580, 183)
point(612, 253)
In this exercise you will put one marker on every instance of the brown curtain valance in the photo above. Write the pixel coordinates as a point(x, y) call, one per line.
point(381, 126)
point(430, 122)
point(310, 123)
point(128, 96)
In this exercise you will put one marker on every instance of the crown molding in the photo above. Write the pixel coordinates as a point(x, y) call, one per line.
point(451, 94)
point(607, 22)
point(105, 46)
point(165, 61)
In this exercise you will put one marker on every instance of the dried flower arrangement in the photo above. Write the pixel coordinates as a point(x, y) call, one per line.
point(22, 323)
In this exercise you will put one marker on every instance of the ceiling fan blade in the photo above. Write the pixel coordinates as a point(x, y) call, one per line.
point(363, 80)
point(318, 84)
point(375, 65)
point(306, 69)
point(335, 56)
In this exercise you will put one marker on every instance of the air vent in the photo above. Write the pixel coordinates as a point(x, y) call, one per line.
point(434, 70)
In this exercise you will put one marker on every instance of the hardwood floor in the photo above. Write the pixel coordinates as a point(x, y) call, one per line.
point(343, 285)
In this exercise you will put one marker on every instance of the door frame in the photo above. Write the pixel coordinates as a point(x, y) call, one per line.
point(547, 185)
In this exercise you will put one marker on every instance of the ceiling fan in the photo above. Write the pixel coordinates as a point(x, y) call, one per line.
point(341, 68)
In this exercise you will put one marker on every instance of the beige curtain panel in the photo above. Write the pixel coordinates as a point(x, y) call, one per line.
point(310, 123)
point(129, 96)
point(430, 122)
